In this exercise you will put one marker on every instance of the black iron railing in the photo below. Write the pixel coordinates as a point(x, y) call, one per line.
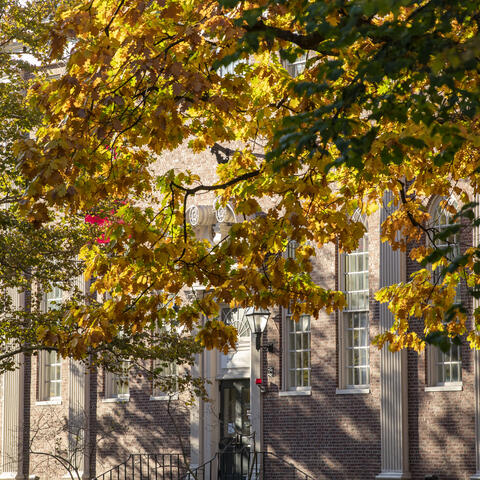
point(148, 466)
point(170, 466)
point(261, 466)
point(206, 471)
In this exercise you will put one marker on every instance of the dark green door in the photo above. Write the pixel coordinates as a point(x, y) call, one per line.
point(234, 429)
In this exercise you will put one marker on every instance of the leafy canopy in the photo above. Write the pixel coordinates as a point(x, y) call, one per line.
point(388, 101)
point(38, 255)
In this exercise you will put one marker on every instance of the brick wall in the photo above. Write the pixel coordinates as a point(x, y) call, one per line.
point(441, 424)
point(48, 431)
point(117, 429)
point(140, 425)
point(338, 436)
point(328, 435)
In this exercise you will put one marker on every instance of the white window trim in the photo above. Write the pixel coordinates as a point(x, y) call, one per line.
point(54, 401)
point(160, 395)
point(164, 398)
point(109, 396)
point(433, 385)
point(343, 387)
point(296, 393)
point(447, 387)
point(300, 61)
point(352, 391)
point(242, 322)
point(43, 397)
point(120, 399)
point(287, 389)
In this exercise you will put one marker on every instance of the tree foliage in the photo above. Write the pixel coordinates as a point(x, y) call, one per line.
point(36, 256)
point(388, 101)
point(29, 253)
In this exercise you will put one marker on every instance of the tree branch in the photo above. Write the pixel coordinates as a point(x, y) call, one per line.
point(307, 42)
point(107, 28)
point(221, 186)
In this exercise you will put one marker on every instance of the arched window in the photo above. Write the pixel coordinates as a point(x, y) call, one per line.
point(445, 369)
point(355, 319)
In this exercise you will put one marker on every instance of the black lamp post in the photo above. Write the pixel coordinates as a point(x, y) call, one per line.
point(257, 321)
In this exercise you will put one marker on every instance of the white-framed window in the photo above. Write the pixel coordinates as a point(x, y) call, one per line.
point(444, 369)
point(231, 67)
point(54, 299)
point(297, 344)
point(354, 324)
point(50, 376)
point(117, 383)
point(297, 67)
point(166, 370)
point(298, 352)
point(50, 362)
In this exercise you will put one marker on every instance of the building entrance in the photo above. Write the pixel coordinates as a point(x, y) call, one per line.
point(235, 440)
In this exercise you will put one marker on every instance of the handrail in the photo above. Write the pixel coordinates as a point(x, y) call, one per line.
point(170, 466)
point(116, 467)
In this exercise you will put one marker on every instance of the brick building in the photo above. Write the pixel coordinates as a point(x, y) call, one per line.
point(328, 402)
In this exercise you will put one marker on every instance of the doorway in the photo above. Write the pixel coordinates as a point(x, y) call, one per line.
point(235, 429)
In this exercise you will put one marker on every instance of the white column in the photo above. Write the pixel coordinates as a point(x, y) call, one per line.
point(77, 413)
point(476, 354)
point(13, 398)
point(393, 372)
point(211, 409)
point(476, 303)
point(196, 420)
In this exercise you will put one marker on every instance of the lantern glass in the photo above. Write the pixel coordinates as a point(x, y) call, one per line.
point(257, 319)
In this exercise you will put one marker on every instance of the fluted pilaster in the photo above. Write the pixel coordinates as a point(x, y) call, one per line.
point(393, 372)
point(13, 415)
point(476, 303)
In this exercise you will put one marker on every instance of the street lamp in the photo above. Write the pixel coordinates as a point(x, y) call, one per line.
point(257, 321)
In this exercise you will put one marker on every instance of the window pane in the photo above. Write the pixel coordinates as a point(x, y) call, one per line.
point(291, 379)
point(306, 378)
point(364, 380)
point(292, 359)
point(298, 359)
point(350, 379)
point(291, 341)
point(299, 378)
point(306, 361)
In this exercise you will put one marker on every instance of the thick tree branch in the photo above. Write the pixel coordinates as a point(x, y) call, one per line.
point(307, 42)
point(220, 186)
point(25, 349)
